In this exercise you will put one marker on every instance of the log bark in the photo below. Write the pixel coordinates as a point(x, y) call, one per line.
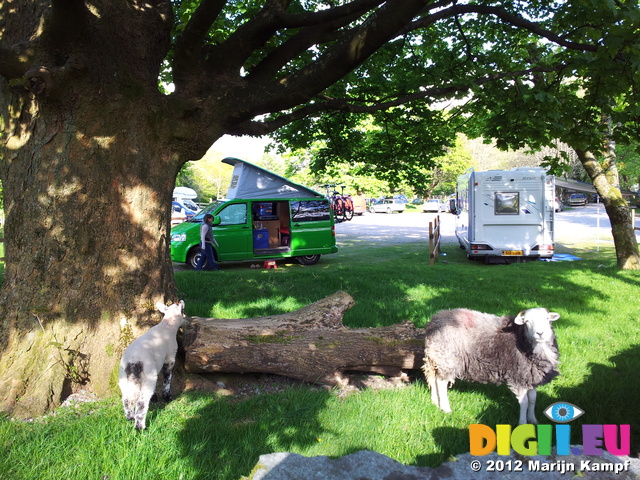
point(310, 344)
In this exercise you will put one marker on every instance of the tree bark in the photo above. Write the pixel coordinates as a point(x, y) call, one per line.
point(605, 180)
point(87, 244)
point(88, 170)
point(310, 344)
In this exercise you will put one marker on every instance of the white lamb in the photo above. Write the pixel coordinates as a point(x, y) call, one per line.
point(142, 360)
point(521, 352)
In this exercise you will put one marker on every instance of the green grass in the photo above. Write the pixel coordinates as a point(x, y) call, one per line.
point(205, 436)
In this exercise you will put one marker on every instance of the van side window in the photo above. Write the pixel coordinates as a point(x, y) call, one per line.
point(234, 214)
point(310, 210)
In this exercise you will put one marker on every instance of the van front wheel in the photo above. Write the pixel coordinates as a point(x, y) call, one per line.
point(194, 255)
point(308, 259)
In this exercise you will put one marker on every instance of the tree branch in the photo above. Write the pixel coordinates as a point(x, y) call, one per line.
point(189, 45)
point(296, 45)
point(232, 54)
point(357, 7)
point(317, 29)
point(342, 58)
point(503, 15)
point(325, 104)
point(273, 18)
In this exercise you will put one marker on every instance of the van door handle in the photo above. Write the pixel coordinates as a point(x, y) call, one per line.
point(245, 228)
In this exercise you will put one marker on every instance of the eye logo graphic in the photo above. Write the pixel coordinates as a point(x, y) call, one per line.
point(563, 412)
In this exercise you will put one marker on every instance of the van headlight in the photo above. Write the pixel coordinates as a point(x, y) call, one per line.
point(179, 237)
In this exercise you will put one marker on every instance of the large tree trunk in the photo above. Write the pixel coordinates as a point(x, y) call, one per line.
point(310, 344)
point(86, 245)
point(605, 180)
point(87, 188)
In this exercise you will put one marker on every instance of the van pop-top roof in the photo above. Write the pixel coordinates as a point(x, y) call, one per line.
point(250, 181)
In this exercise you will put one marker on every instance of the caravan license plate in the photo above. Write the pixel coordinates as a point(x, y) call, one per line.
point(512, 252)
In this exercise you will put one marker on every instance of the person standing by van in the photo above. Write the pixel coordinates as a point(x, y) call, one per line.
point(206, 241)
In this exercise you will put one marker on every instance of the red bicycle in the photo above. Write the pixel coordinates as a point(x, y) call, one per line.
point(341, 204)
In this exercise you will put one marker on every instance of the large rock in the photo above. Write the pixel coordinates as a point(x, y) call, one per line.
point(367, 465)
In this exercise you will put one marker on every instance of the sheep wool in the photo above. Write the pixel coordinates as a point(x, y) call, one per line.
point(464, 344)
point(143, 360)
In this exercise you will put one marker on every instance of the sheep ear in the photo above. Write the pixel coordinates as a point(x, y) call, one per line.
point(553, 316)
point(162, 308)
point(519, 320)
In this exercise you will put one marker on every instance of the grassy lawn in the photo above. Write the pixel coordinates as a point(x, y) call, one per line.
point(204, 436)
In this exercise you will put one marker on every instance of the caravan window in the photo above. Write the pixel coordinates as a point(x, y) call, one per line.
point(507, 203)
point(310, 210)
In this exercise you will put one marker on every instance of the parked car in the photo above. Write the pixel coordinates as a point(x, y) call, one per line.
point(558, 205)
point(388, 205)
point(434, 205)
point(577, 199)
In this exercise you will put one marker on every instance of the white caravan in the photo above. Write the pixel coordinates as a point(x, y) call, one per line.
point(183, 207)
point(506, 216)
point(186, 197)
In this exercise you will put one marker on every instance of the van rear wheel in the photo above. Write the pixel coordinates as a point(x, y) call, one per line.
point(308, 259)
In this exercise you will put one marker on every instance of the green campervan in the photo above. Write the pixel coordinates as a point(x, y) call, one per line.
point(264, 217)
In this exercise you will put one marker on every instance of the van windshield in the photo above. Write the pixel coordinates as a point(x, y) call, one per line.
point(208, 209)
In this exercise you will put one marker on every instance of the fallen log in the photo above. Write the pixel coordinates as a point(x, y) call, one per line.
point(310, 344)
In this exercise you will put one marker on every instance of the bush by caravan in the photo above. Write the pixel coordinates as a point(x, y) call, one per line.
point(506, 216)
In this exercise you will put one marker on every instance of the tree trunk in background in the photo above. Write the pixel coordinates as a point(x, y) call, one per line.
point(310, 344)
point(605, 180)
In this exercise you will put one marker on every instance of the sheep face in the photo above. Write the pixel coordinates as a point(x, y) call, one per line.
point(173, 314)
point(537, 323)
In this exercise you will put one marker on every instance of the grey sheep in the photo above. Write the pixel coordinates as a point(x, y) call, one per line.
point(521, 352)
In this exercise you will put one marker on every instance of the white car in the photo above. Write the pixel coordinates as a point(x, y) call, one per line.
point(388, 205)
point(434, 205)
